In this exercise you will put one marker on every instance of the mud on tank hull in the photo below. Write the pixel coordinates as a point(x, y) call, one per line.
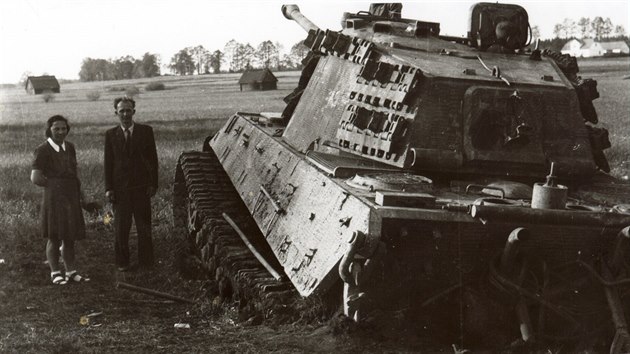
point(437, 261)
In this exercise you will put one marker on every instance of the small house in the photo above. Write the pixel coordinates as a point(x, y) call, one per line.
point(36, 85)
point(258, 80)
point(589, 47)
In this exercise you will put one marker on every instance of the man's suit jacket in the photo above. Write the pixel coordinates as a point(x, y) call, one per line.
point(137, 169)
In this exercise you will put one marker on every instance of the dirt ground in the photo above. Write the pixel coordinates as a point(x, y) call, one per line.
point(39, 317)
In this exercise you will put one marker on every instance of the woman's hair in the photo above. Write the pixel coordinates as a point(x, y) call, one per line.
point(52, 120)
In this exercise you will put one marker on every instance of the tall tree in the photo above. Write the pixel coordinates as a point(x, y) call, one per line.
point(267, 54)
point(238, 56)
point(246, 53)
point(149, 65)
point(584, 27)
point(286, 62)
point(597, 27)
point(124, 67)
point(535, 33)
point(199, 55)
point(297, 53)
point(608, 27)
point(231, 55)
point(87, 70)
point(619, 31)
point(570, 28)
point(182, 63)
point(280, 48)
point(206, 62)
point(106, 69)
point(558, 31)
point(567, 29)
point(215, 61)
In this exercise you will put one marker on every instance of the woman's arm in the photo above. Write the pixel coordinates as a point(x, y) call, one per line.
point(38, 178)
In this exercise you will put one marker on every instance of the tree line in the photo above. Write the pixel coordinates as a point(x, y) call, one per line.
point(597, 28)
point(125, 67)
point(197, 60)
point(236, 57)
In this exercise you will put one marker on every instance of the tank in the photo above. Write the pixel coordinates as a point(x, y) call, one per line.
point(454, 185)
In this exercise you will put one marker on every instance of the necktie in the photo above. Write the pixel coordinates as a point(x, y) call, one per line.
point(127, 141)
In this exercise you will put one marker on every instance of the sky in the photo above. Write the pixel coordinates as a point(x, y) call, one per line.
point(54, 36)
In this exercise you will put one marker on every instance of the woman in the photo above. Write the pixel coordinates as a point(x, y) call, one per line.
point(55, 169)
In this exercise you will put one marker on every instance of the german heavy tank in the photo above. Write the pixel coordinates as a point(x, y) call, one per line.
point(456, 183)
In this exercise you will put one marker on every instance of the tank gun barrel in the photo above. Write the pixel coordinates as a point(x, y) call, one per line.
point(292, 12)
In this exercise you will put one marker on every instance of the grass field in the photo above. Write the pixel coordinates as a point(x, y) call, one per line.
point(38, 317)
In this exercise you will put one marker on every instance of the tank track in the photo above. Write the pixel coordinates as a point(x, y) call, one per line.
point(586, 88)
point(566, 63)
point(202, 193)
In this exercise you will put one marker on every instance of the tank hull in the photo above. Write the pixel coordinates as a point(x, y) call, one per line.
point(422, 258)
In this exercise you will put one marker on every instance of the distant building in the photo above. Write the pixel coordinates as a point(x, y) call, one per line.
point(36, 85)
point(258, 80)
point(589, 47)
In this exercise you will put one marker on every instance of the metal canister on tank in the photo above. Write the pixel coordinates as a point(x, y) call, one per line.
point(549, 195)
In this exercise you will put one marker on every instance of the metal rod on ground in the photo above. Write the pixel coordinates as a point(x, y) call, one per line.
point(152, 292)
point(251, 247)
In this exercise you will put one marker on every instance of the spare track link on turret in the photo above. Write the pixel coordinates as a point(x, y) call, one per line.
point(202, 193)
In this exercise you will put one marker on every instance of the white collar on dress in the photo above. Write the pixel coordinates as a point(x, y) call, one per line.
point(55, 146)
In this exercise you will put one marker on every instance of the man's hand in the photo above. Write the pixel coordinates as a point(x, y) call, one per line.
point(151, 191)
point(109, 195)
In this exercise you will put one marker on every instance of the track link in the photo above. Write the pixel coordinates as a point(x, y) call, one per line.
point(202, 193)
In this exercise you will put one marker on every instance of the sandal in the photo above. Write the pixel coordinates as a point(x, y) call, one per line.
point(58, 279)
point(75, 277)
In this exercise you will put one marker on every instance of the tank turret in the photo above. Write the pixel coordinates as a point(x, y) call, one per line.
point(409, 98)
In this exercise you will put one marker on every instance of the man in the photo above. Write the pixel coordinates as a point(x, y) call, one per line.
point(131, 178)
point(507, 38)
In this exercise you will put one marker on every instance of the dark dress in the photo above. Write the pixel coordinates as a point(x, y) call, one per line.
point(61, 215)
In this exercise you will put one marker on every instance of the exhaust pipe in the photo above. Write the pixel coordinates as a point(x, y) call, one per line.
point(510, 251)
